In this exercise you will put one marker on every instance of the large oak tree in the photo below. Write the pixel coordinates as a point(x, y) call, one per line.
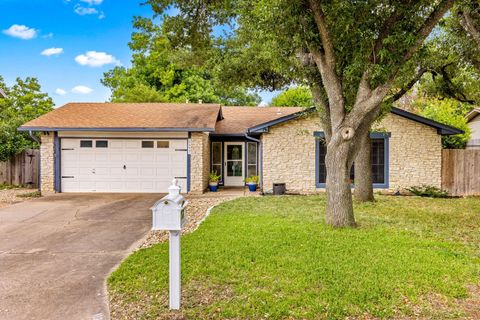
point(350, 53)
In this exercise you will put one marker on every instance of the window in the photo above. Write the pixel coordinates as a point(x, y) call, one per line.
point(379, 161)
point(86, 144)
point(217, 157)
point(163, 144)
point(101, 144)
point(147, 144)
point(251, 159)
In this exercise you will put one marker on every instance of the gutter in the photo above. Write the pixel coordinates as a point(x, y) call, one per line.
point(260, 158)
point(30, 133)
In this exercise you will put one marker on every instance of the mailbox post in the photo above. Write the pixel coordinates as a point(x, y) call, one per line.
point(168, 214)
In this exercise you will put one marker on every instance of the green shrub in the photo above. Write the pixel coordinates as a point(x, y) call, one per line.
point(428, 191)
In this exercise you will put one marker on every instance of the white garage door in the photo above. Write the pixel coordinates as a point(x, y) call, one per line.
point(122, 165)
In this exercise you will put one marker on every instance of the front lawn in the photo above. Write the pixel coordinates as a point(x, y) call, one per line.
point(273, 257)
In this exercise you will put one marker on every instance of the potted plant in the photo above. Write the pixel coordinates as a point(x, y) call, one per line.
point(213, 179)
point(252, 183)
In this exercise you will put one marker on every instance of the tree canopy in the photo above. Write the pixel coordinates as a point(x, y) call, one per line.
point(162, 72)
point(24, 102)
point(294, 97)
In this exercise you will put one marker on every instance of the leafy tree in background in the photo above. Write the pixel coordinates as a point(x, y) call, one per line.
point(450, 112)
point(294, 97)
point(164, 72)
point(24, 102)
point(452, 65)
point(352, 55)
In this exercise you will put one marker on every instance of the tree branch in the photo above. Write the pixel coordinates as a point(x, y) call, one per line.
point(468, 24)
point(409, 85)
point(428, 26)
point(326, 63)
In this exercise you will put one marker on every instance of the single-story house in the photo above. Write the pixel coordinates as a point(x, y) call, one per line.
point(473, 121)
point(141, 147)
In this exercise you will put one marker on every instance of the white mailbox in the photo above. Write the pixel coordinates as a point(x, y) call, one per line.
point(169, 212)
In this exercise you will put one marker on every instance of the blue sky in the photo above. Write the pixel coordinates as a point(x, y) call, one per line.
point(79, 39)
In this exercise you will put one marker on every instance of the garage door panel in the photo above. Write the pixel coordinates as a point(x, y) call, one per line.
point(132, 144)
point(147, 157)
point(70, 143)
point(147, 169)
point(178, 144)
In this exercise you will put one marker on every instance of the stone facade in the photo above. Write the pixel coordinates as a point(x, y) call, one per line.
point(199, 161)
point(47, 163)
point(289, 154)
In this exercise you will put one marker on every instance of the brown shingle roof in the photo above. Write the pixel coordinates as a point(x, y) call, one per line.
point(238, 119)
point(150, 116)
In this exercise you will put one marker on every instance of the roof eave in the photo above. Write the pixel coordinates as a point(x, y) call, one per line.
point(27, 128)
point(264, 126)
point(442, 129)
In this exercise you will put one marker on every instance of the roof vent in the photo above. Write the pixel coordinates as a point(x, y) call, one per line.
point(200, 101)
point(279, 111)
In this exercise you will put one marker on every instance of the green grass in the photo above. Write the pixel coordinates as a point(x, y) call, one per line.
point(273, 257)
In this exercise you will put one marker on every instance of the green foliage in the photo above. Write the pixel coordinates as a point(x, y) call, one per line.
point(24, 102)
point(453, 61)
point(450, 112)
point(428, 191)
point(262, 46)
point(274, 257)
point(252, 180)
point(33, 194)
point(293, 97)
point(214, 176)
point(163, 72)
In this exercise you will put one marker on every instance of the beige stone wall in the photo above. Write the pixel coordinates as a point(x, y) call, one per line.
point(47, 163)
point(289, 154)
point(199, 161)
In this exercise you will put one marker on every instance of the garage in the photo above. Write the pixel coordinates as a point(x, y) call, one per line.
point(122, 165)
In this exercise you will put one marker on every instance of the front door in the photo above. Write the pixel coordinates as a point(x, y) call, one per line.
point(234, 160)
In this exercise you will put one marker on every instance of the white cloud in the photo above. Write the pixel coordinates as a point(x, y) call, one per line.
point(60, 92)
point(101, 15)
point(82, 11)
point(21, 31)
point(52, 52)
point(48, 35)
point(96, 59)
point(92, 2)
point(82, 90)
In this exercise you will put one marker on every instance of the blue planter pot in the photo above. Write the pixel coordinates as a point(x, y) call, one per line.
point(252, 187)
point(213, 188)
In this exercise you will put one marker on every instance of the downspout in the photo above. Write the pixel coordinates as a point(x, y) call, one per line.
point(30, 133)
point(260, 158)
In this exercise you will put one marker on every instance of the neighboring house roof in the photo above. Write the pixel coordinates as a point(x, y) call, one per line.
point(441, 128)
point(2, 94)
point(129, 117)
point(237, 120)
point(472, 114)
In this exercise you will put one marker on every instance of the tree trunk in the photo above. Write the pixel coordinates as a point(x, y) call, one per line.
point(339, 210)
point(363, 171)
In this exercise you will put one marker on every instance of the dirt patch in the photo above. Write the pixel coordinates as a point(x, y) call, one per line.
point(12, 196)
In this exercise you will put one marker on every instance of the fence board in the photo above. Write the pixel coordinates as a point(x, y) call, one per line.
point(23, 169)
point(461, 172)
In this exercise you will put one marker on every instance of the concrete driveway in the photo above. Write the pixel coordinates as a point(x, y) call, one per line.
point(55, 252)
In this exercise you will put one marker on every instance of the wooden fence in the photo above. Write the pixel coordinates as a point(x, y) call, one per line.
point(23, 169)
point(461, 172)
